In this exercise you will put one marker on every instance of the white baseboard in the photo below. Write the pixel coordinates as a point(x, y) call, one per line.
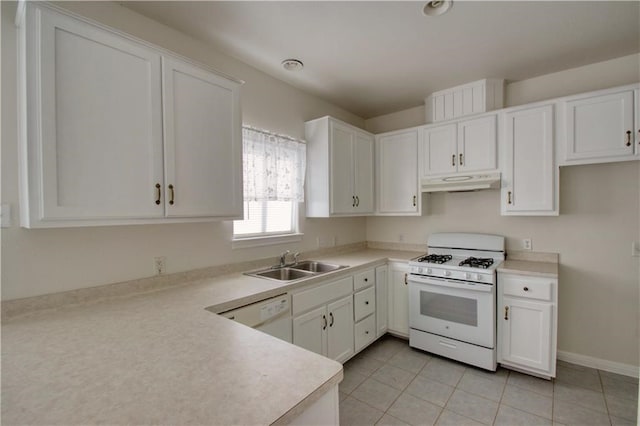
point(600, 364)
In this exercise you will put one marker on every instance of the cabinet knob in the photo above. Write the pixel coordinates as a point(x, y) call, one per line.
point(628, 138)
point(158, 193)
point(526, 289)
point(366, 280)
point(366, 332)
point(366, 302)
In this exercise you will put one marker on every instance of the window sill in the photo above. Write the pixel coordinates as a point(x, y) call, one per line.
point(265, 241)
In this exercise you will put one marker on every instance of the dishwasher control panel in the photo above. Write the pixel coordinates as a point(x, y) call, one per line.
point(274, 308)
point(261, 312)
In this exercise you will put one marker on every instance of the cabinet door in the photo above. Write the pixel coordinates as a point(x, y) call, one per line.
point(203, 142)
point(439, 148)
point(309, 331)
point(363, 172)
point(600, 126)
point(341, 143)
point(340, 329)
point(399, 299)
point(526, 333)
point(529, 175)
point(477, 141)
point(382, 278)
point(398, 173)
point(95, 120)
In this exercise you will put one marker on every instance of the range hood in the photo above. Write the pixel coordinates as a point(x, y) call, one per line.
point(461, 183)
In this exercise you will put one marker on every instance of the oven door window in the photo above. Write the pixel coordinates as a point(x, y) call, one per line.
point(461, 310)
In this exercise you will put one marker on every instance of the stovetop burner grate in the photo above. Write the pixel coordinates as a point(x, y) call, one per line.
point(477, 262)
point(435, 258)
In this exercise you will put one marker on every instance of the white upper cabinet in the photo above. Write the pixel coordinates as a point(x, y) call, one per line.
point(94, 123)
point(93, 115)
point(397, 181)
point(529, 178)
point(459, 148)
point(599, 127)
point(339, 169)
point(203, 143)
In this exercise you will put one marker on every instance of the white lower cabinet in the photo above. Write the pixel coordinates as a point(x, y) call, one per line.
point(527, 323)
point(327, 328)
point(382, 295)
point(364, 312)
point(398, 302)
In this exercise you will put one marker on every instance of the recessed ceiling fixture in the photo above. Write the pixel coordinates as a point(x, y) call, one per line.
point(292, 64)
point(437, 7)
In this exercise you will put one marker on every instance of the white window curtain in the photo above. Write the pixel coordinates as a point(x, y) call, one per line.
point(273, 166)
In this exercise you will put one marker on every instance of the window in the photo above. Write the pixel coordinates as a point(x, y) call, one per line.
point(273, 173)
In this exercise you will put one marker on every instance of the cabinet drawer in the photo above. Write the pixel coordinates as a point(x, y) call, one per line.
point(321, 294)
point(364, 279)
point(365, 332)
point(364, 303)
point(528, 287)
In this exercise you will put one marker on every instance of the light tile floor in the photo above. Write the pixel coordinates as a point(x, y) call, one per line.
point(390, 383)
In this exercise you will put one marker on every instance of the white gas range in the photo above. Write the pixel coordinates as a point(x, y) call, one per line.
point(452, 297)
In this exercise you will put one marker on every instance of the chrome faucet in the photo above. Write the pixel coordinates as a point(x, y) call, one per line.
point(283, 259)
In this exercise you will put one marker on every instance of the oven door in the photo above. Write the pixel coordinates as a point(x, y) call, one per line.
point(459, 310)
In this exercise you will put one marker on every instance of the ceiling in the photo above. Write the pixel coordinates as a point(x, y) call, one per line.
point(377, 57)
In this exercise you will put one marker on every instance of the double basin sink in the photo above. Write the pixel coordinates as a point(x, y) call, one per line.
point(297, 271)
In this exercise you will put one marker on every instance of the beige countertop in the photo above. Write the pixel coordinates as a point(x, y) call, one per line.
point(531, 263)
point(161, 358)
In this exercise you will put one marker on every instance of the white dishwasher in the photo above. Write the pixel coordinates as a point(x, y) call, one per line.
point(271, 316)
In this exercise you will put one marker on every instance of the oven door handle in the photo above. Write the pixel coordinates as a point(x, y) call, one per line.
point(437, 282)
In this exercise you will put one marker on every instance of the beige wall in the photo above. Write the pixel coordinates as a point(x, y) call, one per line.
point(599, 219)
point(51, 260)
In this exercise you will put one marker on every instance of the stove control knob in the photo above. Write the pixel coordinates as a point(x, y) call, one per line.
point(420, 271)
point(467, 276)
point(429, 271)
point(447, 273)
point(479, 277)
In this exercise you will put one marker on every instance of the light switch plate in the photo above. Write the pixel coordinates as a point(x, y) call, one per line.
point(635, 249)
point(5, 215)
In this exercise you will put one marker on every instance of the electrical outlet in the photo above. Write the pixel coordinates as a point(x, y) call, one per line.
point(160, 263)
point(526, 244)
point(401, 238)
point(635, 249)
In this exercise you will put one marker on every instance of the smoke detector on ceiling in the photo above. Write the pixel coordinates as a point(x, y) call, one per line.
point(437, 7)
point(292, 64)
